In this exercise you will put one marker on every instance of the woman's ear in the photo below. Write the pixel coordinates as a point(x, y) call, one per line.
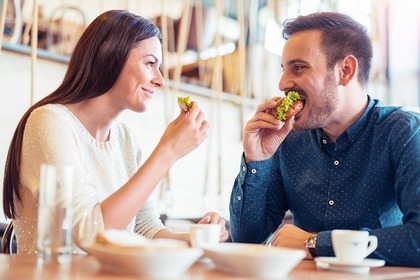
point(348, 69)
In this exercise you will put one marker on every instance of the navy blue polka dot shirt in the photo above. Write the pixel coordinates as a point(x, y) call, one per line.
point(368, 180)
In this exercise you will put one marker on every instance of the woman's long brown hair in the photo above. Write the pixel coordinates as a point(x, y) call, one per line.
point(95, 65)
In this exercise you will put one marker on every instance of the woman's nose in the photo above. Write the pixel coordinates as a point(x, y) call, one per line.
point(158, 80)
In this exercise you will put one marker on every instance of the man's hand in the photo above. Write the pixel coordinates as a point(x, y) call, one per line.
point(291, 236)
point(264, 133)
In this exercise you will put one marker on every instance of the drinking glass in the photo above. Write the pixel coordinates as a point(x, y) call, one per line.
point(55, 214)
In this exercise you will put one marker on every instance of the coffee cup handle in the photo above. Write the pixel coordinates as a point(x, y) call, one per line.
point(373, 244)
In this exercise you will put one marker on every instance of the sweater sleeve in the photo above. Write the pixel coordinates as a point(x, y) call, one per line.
point(148, 221)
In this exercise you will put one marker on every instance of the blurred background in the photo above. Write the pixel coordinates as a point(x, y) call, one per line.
point(224, 53)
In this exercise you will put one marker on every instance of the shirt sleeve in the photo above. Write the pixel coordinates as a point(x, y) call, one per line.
point(257, 202)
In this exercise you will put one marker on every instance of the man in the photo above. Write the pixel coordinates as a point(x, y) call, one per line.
point(345, 161)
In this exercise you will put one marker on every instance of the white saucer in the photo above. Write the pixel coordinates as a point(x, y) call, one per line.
point(332, 263)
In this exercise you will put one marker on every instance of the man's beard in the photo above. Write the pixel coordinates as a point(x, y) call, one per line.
point(322, 109)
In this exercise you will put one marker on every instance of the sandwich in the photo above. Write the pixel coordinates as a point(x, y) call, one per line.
point(288, 106)
point(185, 103)
point(131, 242)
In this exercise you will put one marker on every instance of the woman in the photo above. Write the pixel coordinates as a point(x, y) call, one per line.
point(114, 67)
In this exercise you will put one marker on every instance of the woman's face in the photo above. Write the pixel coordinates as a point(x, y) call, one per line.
point(139, 77)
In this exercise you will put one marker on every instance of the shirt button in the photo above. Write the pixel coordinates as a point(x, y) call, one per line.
point(253, 171)
point(324, 141)
point(239, 197)
point(331, 202)
point(336, 162)
point(243, 168)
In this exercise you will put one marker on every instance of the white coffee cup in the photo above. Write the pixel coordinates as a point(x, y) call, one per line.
point(202, 235)
point(55, 214)
point(353, 246)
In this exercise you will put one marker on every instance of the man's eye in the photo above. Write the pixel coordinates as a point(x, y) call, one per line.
point(299, 67)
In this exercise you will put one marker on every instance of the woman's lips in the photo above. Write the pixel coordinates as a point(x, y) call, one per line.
point(148, 91)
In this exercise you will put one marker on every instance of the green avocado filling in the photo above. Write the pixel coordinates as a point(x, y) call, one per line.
point(282, 109)
point(185, 100)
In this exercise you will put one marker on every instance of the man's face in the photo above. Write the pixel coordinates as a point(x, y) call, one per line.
point(305, 71)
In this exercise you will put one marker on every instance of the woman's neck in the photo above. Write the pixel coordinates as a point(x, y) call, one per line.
point(96, 121)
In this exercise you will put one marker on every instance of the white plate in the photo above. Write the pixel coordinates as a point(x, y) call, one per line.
point(165, 263)
point(254, 260)
point(332, 263)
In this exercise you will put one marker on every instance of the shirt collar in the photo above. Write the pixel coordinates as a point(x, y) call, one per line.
point(355, 129)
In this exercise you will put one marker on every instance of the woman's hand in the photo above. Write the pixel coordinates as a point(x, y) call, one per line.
point(263, 134)
point(214, 218)
point(185, 133)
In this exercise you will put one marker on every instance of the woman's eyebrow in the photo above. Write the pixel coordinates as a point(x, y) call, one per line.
point(156, 59)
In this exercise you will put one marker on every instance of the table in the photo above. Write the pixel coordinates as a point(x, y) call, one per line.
point(87, 267)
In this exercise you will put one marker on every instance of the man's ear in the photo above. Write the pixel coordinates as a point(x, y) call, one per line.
point(348, 69)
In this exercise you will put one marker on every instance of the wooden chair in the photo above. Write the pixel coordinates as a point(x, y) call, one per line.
point(8, 246)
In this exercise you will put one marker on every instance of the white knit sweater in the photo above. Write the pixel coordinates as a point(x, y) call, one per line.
point(53, 135)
